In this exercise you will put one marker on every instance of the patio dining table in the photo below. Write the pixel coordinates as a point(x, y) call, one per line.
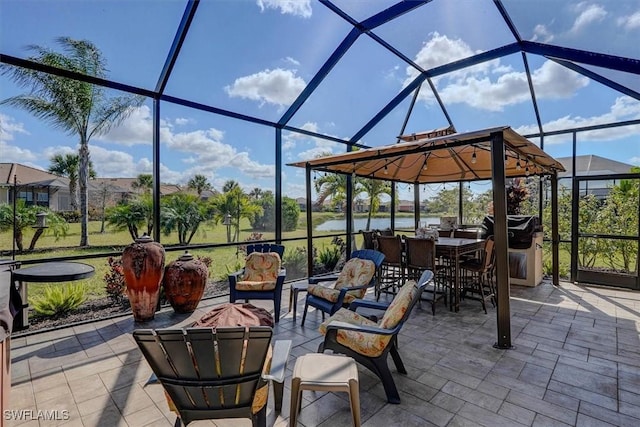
point(453, 248)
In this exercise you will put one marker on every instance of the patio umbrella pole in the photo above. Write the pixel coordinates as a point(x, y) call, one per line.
point(500, 236)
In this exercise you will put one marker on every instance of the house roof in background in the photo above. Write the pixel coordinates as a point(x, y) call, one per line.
point(592, 165)
point(25, 175)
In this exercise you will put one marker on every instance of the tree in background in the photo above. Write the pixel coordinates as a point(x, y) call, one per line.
point(67, 165)
point(26, 217)
point(132, 215)
point(266, 220)
point(143, 183)
point(517, 194)
point(373, 188)
point(235, 203)
point(76, 107)
point(182, 213)
point(199, 183)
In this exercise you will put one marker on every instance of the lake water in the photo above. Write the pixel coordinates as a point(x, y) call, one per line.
point(376, 223)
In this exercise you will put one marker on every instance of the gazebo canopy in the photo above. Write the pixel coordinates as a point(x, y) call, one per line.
point(441, 156)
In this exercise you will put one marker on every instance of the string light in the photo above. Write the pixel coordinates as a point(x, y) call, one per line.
point(518, 167)
point(473, 156)
point(426, 160)
point(386, 170)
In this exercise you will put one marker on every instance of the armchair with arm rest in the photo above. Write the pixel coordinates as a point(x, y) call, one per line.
point(262, 277)
point(358, 274)
point(216, 373)
point(368, 342)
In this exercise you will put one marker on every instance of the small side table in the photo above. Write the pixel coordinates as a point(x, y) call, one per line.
point(324, 372)
point(295, 289)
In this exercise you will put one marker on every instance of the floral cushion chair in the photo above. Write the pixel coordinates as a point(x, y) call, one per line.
point(358, 274)
point(368, 342)
point(262, 278)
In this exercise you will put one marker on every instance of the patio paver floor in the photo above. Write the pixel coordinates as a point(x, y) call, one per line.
point(575, 361)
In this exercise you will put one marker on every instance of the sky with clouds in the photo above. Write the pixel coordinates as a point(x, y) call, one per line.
point(255, 57)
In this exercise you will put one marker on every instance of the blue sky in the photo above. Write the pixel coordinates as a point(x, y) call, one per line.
point(255, 57)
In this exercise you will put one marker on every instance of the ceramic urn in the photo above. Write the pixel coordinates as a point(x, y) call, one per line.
point(143, 265)
point(184, 283)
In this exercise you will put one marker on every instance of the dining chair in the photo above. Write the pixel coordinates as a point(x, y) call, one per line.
point(421, 256)
point(392, 274)
point(465, 234)
point(479, 281)
point(369, 239)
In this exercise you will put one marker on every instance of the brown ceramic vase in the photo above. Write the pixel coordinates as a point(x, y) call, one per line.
point(143, 265)
point(184, 283)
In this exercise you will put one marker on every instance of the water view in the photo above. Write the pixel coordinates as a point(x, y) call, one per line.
point(376, 223)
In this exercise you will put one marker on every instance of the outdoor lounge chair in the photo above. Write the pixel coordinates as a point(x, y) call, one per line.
point(358, 274)
point(216, 373)
point(368, 342)
point(261, 278)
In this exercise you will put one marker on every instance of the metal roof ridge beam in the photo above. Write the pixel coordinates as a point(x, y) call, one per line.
point(507, 19)
point(499, 52)
point(619, 63)
point(391, 13)
point(585, 128)
point(61, 72)
point(389, 107)
point(597, 77)
point(346, 43)
point(174, 51)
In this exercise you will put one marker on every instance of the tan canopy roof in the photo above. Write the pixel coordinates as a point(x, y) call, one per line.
point(422, 158)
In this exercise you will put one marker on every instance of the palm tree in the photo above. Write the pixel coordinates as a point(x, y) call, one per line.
point(230, 185)
point(143, 182)
point(199, 183)
point(183, 213)
point(79, 108)
point(374, 188)
point(334, 186)
point(236, 204)
point(67, 166)
point(25, 217)
point(256, 193)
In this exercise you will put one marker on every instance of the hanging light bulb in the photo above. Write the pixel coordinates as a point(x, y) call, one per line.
point(518, 167)
point(526, 169)
point(426, 160)
point(473, 156)
point(386, 170)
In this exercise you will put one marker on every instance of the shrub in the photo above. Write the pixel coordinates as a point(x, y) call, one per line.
point(329, 257)
point(114, 278)
point(59, 300)
point(295, 261)
point(206, 260)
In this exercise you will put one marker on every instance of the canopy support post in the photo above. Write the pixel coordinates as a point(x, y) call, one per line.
point(307, 177)
point(501, 240)
point(555, 234)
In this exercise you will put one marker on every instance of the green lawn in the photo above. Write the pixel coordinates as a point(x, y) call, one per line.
point(225, 259)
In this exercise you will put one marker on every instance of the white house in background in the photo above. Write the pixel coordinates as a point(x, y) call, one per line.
point(34, 186)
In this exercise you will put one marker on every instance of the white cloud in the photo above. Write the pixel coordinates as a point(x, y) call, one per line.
point(291, 60)
point(440, 50)
point(588, 14)
point(14, 154)
point(631, 22)
point(490, 86)
point(634, 161)
point(292, 7)
point(9, 126)
point(279, 87)
point(624, 108)
point(137, 129)
point(542, 34)
point(181, 121)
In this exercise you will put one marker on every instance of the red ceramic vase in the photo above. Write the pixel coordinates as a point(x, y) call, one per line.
point(143, 265)
point(184, 283)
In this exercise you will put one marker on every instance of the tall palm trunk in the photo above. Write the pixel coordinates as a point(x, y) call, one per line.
point(83, 174)
point(73, 190)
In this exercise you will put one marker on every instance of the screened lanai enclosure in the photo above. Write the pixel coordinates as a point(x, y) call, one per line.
point(232, 92)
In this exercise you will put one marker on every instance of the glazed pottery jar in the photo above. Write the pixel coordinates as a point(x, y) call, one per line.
point(143, 265)
point(184, 283)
